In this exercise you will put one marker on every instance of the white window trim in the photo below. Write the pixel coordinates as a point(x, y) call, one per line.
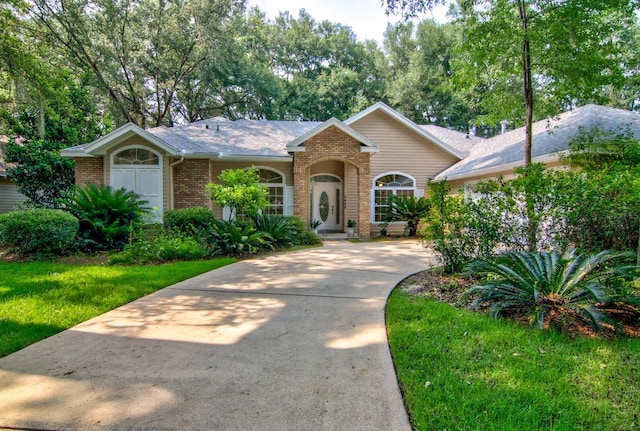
point(157, 215)
point(286, 206)
point(393, 189)
point(130, 147)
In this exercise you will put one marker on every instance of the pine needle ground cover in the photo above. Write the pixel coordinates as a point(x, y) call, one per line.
point(461, 370)
point(40, 299)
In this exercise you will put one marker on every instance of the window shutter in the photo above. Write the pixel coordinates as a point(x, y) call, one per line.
point(288, 200)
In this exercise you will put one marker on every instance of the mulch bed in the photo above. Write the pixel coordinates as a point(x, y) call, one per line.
point(451, 289)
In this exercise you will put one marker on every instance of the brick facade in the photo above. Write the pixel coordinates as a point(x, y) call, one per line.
point(333, 144)
point(89, 170)
point(189, 180)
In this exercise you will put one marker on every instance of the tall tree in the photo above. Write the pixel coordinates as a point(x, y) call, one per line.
point(138, 51)
point(325, 71)
point(558, 52)
point(419, 73)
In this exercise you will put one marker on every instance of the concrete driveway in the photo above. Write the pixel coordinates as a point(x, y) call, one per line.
point(291, 341)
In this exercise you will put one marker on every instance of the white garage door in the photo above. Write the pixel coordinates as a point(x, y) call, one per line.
point(139, 170)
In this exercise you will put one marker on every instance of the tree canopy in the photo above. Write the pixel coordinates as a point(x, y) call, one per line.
point(72, 70)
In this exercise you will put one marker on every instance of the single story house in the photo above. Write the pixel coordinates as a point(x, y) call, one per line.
point(331, 171)
point(10, 198)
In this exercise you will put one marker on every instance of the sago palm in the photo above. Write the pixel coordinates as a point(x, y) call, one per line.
point(409, 209)
point(542, 284)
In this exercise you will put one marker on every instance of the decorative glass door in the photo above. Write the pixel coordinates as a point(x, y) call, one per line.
point(327, 204)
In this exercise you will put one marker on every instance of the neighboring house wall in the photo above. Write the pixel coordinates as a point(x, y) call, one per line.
point(9, 196)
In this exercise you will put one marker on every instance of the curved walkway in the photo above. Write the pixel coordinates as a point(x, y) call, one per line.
point(291, 341)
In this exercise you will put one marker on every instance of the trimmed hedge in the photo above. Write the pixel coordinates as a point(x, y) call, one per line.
point(38, 231)
point(188, 220)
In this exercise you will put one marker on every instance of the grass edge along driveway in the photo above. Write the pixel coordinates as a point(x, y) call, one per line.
point(40, 299)
point(463, 370)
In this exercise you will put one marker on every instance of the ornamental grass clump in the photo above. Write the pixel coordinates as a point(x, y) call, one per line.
point(553, 289)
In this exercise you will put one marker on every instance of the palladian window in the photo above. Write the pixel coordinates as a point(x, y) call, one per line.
point(390, 184)
point(136, 156)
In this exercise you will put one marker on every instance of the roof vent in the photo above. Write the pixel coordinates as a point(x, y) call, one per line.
point(206, 126)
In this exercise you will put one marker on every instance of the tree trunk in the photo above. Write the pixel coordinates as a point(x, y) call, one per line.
point(527, 87)
point(527, 82)
point(41, 118)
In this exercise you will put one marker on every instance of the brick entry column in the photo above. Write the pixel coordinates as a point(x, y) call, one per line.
point(333, 144)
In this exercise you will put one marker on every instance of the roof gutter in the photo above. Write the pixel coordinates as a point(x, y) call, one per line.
point(243, 158)
point(545, 158)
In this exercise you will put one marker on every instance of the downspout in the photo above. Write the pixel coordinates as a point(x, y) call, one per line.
point(177, 162)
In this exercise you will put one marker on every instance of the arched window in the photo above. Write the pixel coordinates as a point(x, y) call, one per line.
point(274, 182)
point(392, 183)
point(136, 156)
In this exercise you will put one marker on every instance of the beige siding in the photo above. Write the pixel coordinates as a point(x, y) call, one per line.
point(350, 194)
point(402, 150)
point(9, 196)
point(285, 167)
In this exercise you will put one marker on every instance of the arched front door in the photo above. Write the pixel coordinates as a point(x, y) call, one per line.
point(326, 201)
point(139, 170)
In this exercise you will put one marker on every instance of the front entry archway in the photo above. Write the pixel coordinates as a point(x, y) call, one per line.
point(326, 201)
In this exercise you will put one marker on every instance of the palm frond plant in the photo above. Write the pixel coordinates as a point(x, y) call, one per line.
point(409, 209)
point(552, 288)
point(278, 227)
point(106, 215)
point(235, 239)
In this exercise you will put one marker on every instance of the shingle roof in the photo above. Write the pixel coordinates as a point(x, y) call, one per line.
point(462, 142)
point(549, 137)
point(240, 137)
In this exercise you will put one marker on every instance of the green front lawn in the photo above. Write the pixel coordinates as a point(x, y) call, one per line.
point(461, 370)
point(39, 299)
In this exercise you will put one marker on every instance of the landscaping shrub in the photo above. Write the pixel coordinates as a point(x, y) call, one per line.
point(278, 228)
point(235, 239)
point(551, 289)
point(407, 208)
point(459, 229)
point(38, 231)
point(165, 247)
point(106, 216)
point(189, 220)
point(301, 233)
point(240, 190)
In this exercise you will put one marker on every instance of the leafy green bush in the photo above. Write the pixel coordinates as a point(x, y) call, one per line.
point(301, 233)
point(38, 231)
point(235, 239)
point(106, 215)
point(459, 229)
point(277, 227)
point(162, 248)
point(39, 172)
point(240, 190)
point(189, 220)
point(551, 289)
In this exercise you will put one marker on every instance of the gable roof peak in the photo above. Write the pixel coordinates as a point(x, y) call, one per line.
point(381, 106)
